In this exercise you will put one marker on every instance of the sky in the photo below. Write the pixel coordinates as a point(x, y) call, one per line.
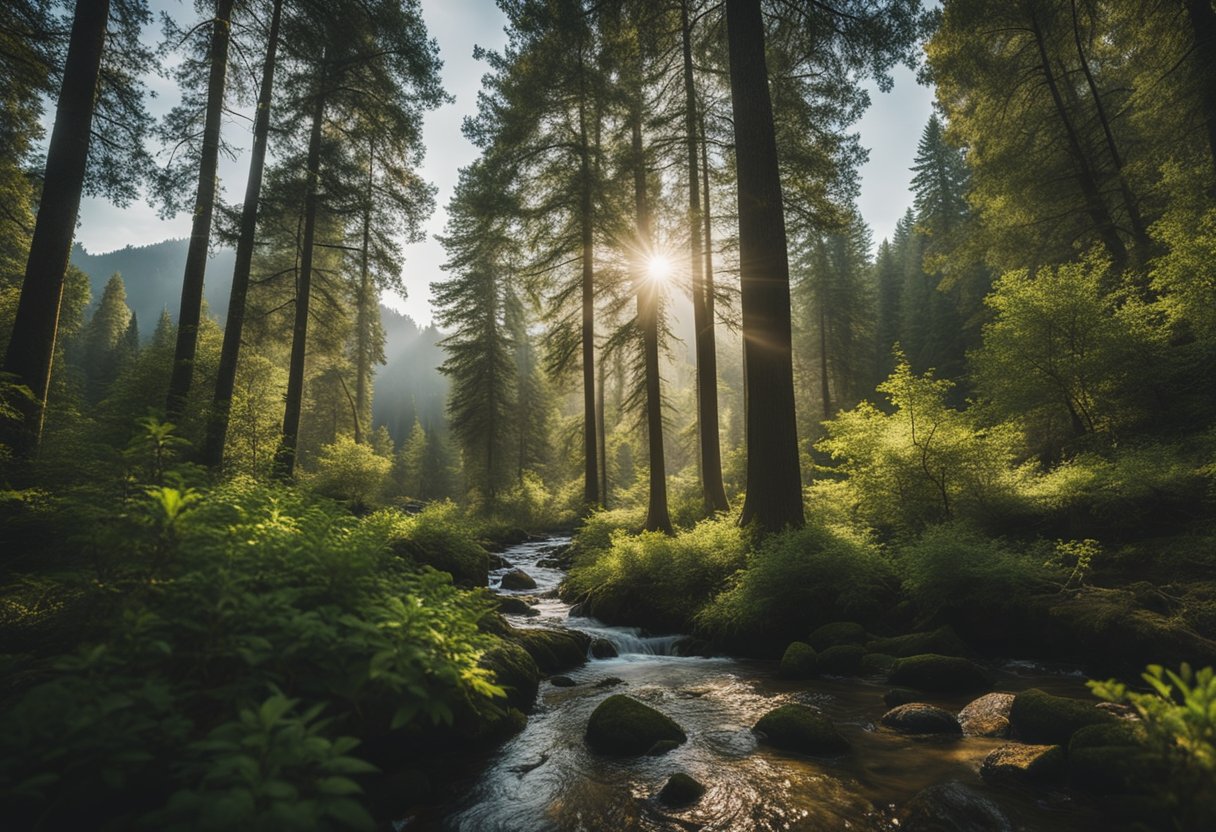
point(889, 129)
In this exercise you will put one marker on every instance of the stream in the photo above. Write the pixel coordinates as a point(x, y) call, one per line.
point(545, 779)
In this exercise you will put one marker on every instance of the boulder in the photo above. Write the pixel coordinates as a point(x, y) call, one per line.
point(899, 696)
point(514, 605)
point(562, 682)
point(800, 728)
point(987, 716)
point(1111, 759)
point(839, 632)
point(877, 664)
point(602, 648)
point(1018, 763)
point(939, 674)
point(841, 660)
point(554, 650)
point(467, 562)
point(919, 718)
point(798, 661)
point(1039, 717)
point(952, 807)
point(516, 670)
point(943, 641)
point(623, 726)
point(498, 561)
point(681, 790)
point(517, 579)
point(662, 747)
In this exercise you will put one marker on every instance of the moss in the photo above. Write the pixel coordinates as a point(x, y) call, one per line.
point(940, 674)
point(841, 660)
point(681, 790)
point(877, 664)
point(798, 661)
point(514, 605)
point(1122, 732)
point(1116, 769)
point(1019, 763)
point(943, 641)
point(799, 728)
point(919, 718)
point(554, 650)
point(1039, 717)
point(839, 632)
point(621, 725)
point(516, 670)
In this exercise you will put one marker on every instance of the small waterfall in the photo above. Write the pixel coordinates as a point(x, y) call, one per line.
point(628, 641)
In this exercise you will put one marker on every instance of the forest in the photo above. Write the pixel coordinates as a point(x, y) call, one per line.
point(696, 506)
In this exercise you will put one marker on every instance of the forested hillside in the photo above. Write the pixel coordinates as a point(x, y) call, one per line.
point(699, 505)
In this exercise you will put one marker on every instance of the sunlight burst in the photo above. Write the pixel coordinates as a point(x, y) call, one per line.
point(659, 268)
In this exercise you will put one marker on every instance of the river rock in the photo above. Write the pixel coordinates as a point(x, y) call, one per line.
point(943, 641)
point(516, 670)
point(602, 648)
point(1112, 759)
point(514, 605)
point(662, 747)
point(623, 726)
point(1018, 763)
point(919, 718)
point(499, 562)
point(553, 650)
point(987, 716)
point(952, 807)
point(562, 682)
point(841, 660)
point(839, 632)
point(517, 579)
point(1039, 717)
point(681, 790)
point(798, 661)
point(877, 664)
point(800, 728)
point(610, 682)
point(939, 674)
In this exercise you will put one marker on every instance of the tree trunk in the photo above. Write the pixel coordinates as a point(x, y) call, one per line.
point(601, 426)
point(225, 379)
point(774, 485)
point(31, 347)
point(363, 311)
point(657, 517)
point(591, 496)
point(712, 489)
point(1203, 26)
point(825, 389)
point(204, 205)
point(285, 460)
point(1094, 204)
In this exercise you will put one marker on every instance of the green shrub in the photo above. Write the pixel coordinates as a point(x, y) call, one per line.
point(655, 580)
point(350, 471)
point(797, 580)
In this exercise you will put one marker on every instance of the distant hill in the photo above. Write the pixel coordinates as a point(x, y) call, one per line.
point(409, 386)
point(153, 277)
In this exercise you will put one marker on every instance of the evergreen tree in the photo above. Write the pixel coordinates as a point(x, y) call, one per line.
point(106, 339)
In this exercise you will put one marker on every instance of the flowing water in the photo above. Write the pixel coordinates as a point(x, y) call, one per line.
point(545, 779)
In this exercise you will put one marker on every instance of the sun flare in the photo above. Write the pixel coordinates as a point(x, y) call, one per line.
point(659, 268)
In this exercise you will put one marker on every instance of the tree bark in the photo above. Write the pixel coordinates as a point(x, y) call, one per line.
point(712, 489)
point(774, 485)
point(225, 380)
point(363, 310)
point(1203, 25)
point(591, 496)
point(657, 517)
point(285, 459)
point(825, 389)
point(601, 426)
point(31, 346)
point(190, 313)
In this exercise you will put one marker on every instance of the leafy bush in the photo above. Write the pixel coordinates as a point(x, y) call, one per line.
point(655, 579)
point(796, 581)
point(229, 596)
point(924, 462)
point(350, 471)
point(1179, 717)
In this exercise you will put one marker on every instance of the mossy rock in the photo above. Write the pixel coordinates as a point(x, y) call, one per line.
point(1019, 763)
point(681, 790)
point(919, 718)
point(514, 605)
point(799, 661)
point(953, 807)
point(602, 648)
point(802, 729)
point(467, 562)
point(841, 660)
point(1123, 732)
point(554, 650)
point(943, 641)
point(516, 670)
point(517, 579)
point(838, 632)
point(1039, 717)
point(1111, 758)
point(877, 664)
point(623, 726)
point(987, 716)
point(940, 674)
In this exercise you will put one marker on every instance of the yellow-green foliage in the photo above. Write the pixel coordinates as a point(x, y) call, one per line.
point(531, 505)
point(923, 462)
point(668, 579)
point(797, 580)
point(350, 471)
